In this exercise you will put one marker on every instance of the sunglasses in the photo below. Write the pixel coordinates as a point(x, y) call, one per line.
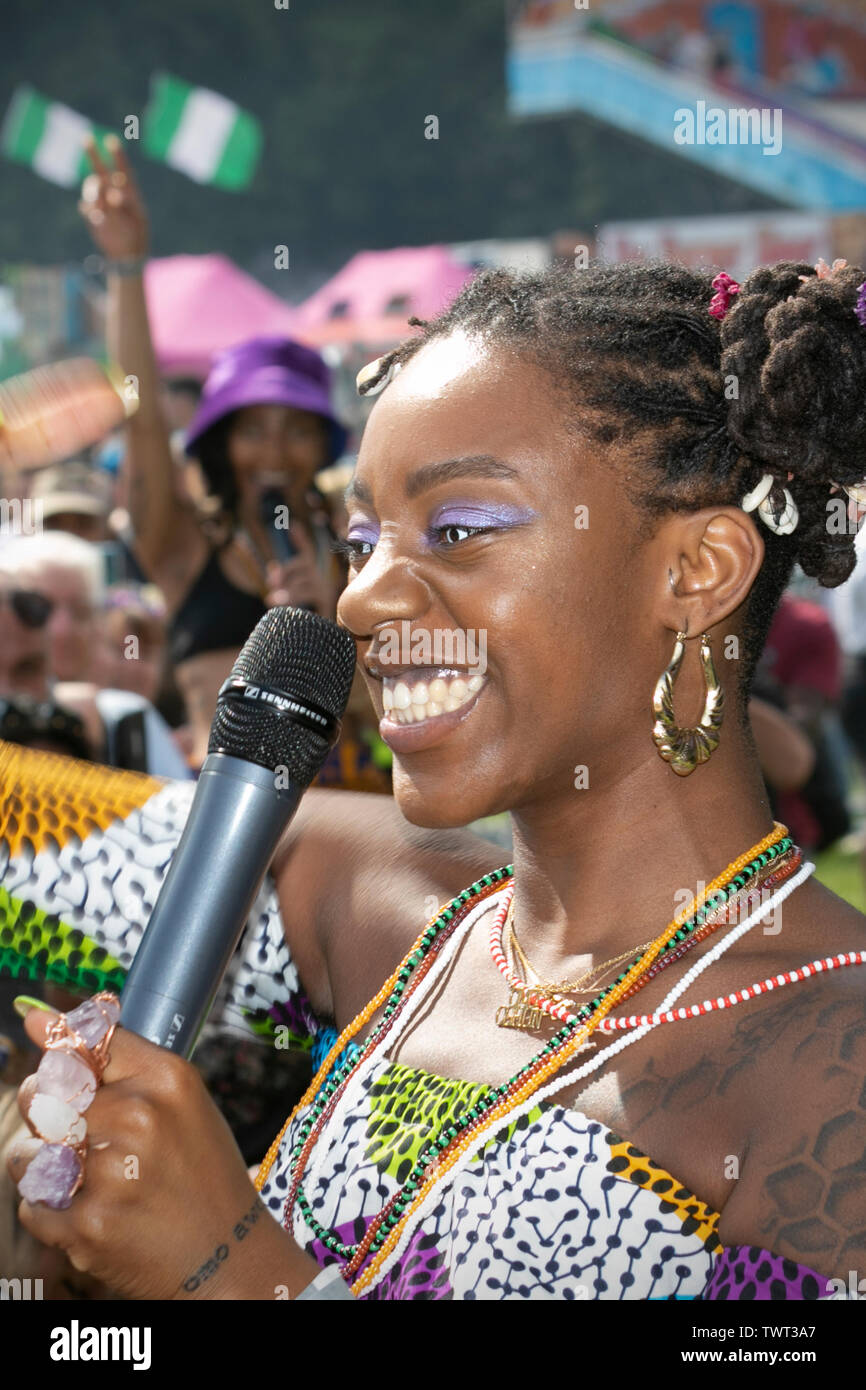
point(30, 608)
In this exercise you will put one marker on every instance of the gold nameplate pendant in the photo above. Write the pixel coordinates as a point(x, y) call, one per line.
point(518, 1014)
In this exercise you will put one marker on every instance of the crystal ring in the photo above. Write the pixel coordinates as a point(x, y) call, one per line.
point(56, 1121)
point(87, 1031)
point(72, 1066)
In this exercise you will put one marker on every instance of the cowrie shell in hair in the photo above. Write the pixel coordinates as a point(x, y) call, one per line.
point(367, 373)
point(787, 522)
point(756, 496)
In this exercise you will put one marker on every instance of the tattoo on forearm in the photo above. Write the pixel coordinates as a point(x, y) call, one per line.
point(246, 1223)
point(222, 1253)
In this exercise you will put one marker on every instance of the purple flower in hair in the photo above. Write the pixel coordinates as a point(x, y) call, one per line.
point(860, 310)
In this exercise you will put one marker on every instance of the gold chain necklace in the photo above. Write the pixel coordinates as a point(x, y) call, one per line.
point(584, 984)
point(521, 1014)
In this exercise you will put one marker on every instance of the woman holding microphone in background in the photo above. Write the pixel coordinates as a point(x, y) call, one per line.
point(263, 429)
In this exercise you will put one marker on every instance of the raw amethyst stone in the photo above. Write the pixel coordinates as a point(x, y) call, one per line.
point(51, 1176)
point(62, 1074)
point(92, 1021)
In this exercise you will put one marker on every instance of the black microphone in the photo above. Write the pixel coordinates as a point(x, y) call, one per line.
point(281, 542)
point(278, 715)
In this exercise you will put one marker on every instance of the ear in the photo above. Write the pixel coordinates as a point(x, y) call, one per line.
point(708, 563)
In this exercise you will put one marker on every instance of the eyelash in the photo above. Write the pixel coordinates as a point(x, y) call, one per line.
point(353, 549)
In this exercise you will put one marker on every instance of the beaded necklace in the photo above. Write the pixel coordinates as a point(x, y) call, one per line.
point(389, 994)
point(397, 1242)
point(562, 1045)
point(777, 844)
point(789, 863)
point(440, 1152)
point(772, 874)
point(740, 996)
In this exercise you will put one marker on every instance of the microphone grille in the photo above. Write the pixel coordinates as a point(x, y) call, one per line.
point(300, 654)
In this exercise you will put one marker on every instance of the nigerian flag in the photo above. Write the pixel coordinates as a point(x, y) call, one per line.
point(200, 133)
point(48, 136)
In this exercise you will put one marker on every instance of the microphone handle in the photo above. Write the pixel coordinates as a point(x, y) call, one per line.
point(284, 549)
point(281, 543)
point(235, 824)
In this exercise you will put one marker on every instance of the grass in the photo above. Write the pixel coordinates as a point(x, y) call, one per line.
point(841, 870)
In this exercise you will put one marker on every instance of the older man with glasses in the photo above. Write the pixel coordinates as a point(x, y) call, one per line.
point(55, 590)
point(24, 647)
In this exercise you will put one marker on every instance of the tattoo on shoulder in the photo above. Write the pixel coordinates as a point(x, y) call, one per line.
point(812, 1200)
point(714, 1074)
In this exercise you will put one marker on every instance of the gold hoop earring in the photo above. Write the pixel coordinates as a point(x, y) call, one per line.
point(685, 748)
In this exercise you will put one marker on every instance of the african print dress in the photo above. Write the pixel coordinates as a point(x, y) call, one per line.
point(553, 1206)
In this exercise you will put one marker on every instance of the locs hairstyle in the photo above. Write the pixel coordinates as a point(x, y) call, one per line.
point(706, 407)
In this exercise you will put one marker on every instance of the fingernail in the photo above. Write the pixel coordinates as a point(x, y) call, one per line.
point(23, 1002)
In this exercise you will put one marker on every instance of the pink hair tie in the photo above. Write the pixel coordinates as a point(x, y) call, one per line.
point(725, 288)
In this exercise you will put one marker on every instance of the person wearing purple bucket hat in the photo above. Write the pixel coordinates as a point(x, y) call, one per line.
point(268, 371)
point(263, 429)
point(260, 533)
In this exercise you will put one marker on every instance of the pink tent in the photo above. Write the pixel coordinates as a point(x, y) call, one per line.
point(378, 288)
point(199, 304)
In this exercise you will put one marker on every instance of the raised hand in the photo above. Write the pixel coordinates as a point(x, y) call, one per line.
point(112, 206)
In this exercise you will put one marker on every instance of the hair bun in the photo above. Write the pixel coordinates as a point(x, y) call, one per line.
point(798, 352)
point(794, 343)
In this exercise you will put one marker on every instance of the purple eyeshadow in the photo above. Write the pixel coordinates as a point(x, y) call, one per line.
point(368, 534)
point(454, 514)
point(492, 515)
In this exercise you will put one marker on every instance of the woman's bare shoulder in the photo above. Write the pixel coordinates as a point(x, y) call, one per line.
point(357, 882)
point(802, 1190)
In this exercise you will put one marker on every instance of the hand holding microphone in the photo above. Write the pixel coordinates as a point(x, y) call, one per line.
point(153, 1140)
point(293, 576)
point(166, 1209)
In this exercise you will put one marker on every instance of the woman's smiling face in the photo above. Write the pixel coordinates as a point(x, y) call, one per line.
point(462, 520)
